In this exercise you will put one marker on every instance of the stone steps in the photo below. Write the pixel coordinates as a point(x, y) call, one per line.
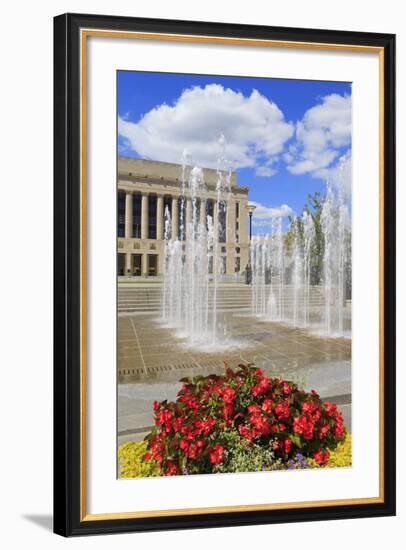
point(229, 297)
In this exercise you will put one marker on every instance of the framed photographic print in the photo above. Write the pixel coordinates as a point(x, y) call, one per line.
point(224, 274)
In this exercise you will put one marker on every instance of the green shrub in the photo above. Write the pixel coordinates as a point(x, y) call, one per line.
point(271, 414)
point(243, 456)
point(131, 463)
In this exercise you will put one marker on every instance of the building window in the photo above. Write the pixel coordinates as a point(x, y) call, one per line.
point(237, 250)
point(209, 211)
point(210, 266)
point(223, 250)
point(167, 210)
point(136, 232)
point(223, 264)
point(237, 209)
point(237, 226)
point(152, 217)
point(237, 264)
point(120, 214)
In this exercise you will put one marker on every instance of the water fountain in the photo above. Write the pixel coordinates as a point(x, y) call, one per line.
point(193, 266)
point(335, 223)
point(284, 286)
point(291, 295)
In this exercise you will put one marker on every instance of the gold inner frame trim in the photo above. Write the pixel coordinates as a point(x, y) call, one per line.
point(173, 37)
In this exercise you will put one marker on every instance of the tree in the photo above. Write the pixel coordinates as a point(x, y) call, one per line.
point(314, 207)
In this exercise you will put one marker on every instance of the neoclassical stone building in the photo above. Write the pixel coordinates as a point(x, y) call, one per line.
point(145, 189)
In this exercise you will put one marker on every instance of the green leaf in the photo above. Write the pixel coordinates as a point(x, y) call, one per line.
point(296, 440)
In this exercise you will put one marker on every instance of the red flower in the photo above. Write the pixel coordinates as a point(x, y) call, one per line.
point(193, 451)
point(184, 445)
point(157, 448)
point(286, 388)
point(261, 424)
point(187, 432)
point(303, 426)
point(321, 457)
point(216, 454)
point(316, 415)
point(261, 388)
point(164, 418)
point(339, 430)
point(177, 424)
point(267, 405)
point(245, 431)
point(330, 408)
point(228, 394)
point(171, 469)
point(190, 401)
point(204, 426)
point(308, 407)
point(324, 431)
point(287, 445)
point(155, 406)
point(282, 410)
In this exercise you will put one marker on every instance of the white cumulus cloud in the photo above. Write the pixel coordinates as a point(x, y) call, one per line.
point(254, 128)
point(320, 136)
point(263, 215)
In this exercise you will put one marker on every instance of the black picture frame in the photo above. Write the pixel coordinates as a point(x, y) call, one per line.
point(67, 289)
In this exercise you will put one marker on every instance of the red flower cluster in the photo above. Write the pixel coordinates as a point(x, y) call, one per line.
point(189, 434)
point(216, 454)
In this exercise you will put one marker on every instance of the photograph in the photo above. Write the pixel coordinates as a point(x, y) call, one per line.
point(234, 274)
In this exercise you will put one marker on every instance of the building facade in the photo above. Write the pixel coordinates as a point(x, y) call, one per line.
point(145, 189)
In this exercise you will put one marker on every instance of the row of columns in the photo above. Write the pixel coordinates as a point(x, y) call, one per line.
point(128, 231)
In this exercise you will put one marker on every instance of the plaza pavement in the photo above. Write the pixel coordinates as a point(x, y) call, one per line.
point(152, 358)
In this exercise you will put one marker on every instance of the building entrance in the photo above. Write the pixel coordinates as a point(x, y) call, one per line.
point(152, 264)
point(137, 264)
point(120, 264)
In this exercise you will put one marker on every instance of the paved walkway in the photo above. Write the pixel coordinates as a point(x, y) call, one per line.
point(152, 359)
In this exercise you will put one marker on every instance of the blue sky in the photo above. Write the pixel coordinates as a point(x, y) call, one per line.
point(284, 137)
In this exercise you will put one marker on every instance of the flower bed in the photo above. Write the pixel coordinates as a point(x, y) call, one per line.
point(240, 421)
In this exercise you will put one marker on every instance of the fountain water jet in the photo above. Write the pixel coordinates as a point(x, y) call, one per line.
point(295, 295)
point(193, 266)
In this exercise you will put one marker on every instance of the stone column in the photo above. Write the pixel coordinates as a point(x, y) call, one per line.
point(230, 237)
point(144, 216)
point(128, 230)
point(144, 266)
point(174, 217)
point(244, 231)
point(215, 220)
point(128, 264)
point(159, 217)
point(230, 222)
point(203, 219)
